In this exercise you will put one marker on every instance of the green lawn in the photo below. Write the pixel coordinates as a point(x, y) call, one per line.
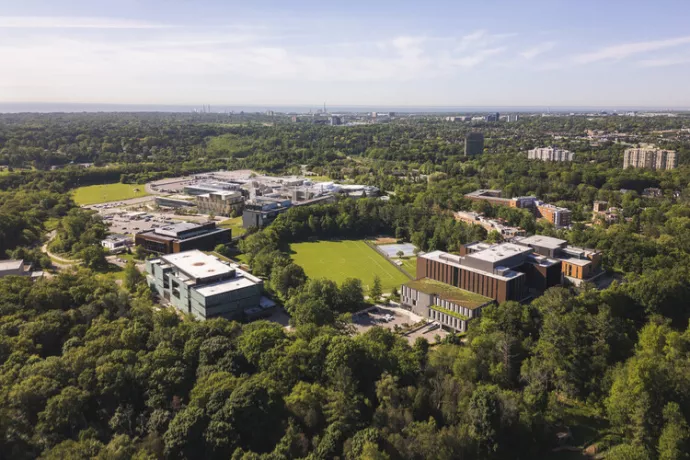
point(94, 194)
point(235, 224)
point(338, 260)
point(410, 265)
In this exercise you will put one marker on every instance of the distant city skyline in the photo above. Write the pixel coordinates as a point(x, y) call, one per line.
point(443, 54)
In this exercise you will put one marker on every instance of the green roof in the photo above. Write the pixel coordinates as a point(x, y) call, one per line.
point(445, 291)
point(449, 312)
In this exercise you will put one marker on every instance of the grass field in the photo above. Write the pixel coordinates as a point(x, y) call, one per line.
point(235, 224)
point(410, 265)
point(338, 260)
point(94, 194)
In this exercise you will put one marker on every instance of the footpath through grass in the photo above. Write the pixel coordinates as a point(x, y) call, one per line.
point(94, 194)
point(339, 260)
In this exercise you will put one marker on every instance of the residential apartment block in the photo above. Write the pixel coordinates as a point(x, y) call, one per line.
point(182, 237)
point(474, 144)
point(550, 154)
point(204, 286)
point(650, 158)
point(558, 216)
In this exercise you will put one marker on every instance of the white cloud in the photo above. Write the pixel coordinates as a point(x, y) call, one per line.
point(535, 51)
point(617, 52)
point(664, 62)
point(57, 22)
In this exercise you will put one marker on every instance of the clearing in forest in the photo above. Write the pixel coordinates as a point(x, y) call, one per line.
point(338, 260)
point(94, 194)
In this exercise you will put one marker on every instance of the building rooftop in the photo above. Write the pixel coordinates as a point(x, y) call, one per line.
point(458, 261)
point(499, 252)
point(221, 287)
point(447, 292)
point(12, 264)
point(542, 241)
point(117, 237)
point(485, 192)
point(175, 229)
point(197, 264)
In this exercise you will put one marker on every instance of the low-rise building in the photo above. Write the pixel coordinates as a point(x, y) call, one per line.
point(494, 197)
point(175, 201)
point(116, 243)
point(261, 211)
point(204, 286)
point(577, 264)
point(182, 237)
point(652, 192)
point(220, 203)
point(474, 218)
point(452, 307)
point(17, 267)
point(558, 216)
point(504, 271)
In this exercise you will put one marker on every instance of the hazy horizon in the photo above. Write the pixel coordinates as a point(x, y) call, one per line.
point(537, 53)
point(76, 107)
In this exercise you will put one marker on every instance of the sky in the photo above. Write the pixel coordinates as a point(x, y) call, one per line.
point(347, 53)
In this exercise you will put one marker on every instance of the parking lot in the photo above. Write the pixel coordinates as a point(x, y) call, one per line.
point(389, 318)
point(128, 224)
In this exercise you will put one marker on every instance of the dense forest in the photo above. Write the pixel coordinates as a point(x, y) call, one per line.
point(89, 368)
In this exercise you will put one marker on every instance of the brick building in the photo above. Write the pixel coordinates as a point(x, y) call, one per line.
point(181, 237)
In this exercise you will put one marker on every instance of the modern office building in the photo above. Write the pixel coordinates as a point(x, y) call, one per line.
point(220, 203)
point(650, 158)
point(577, 264)
point(474, 143)
point(203, 285)
point(208, 187)
point(504, 271)
point(261, 211)
point(550, 154)
point(558, 216)
point(116, 244)
point(452, 307)
point(492, 117)
point(175, 201)
point(182, 237)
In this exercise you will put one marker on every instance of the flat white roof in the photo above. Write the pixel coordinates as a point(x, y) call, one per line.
point(457, 262)
point(224, 286)
point(12, 264)
point(197, 264)
point(543, 241)
point(500, 252)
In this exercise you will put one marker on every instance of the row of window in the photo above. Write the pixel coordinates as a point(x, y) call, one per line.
point(448, 320)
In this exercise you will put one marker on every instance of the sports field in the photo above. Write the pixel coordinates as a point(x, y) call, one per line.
point(338, 260)
point(108, 192)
